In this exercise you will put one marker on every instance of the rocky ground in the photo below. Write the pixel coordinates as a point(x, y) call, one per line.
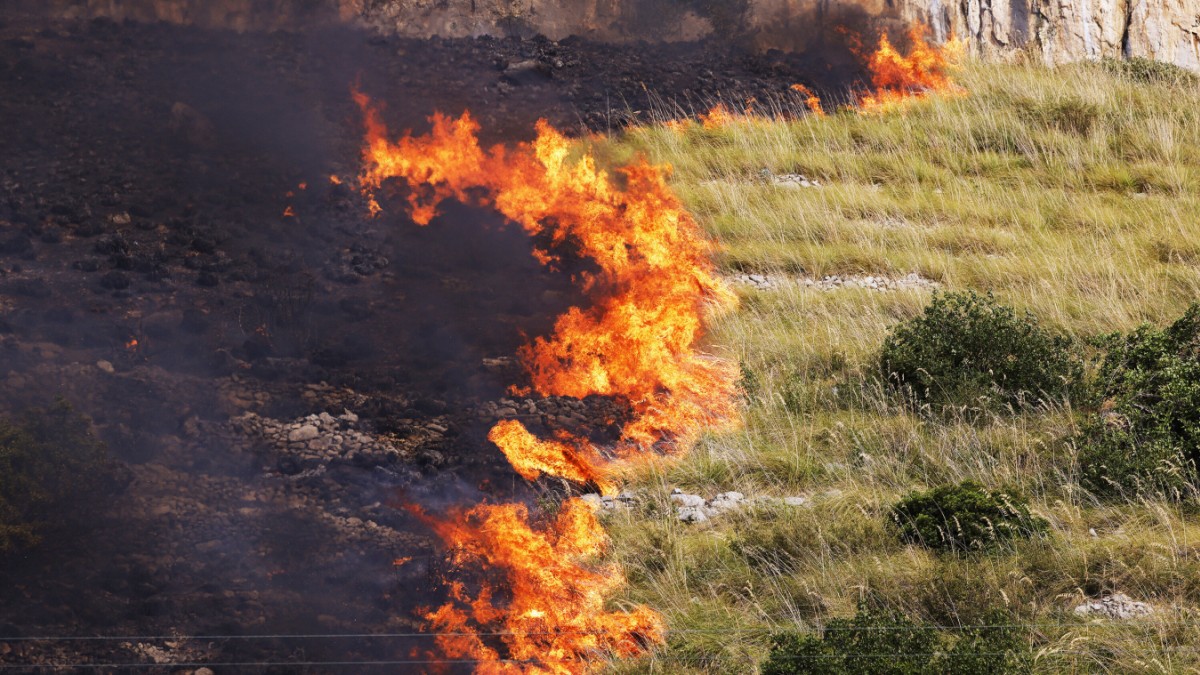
point(274, 371)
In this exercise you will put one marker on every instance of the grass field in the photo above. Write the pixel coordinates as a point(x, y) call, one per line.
point(1073, 193)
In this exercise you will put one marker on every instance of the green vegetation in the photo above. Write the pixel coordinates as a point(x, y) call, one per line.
point(1146, 434)
point(1067, 193)
point(50, 467)
point(878, 642)
point(965, 517)
point(966, 347)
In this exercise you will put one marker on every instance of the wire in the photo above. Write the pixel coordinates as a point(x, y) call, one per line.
point(681, 631)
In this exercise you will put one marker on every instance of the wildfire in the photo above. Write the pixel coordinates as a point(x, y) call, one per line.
point(289, 212)
point(552, 617)
point(899, 78)
point(637, 341)
point(810, 99)
point(131, 344)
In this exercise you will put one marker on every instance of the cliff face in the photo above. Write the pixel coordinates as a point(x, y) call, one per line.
point(1057, 30)
point(1071, 30)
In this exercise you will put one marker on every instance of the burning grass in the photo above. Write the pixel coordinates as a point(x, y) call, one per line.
point(1058, 190)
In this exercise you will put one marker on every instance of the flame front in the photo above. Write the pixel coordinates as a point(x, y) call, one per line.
point(637, 341)
point(549, 614)
point(899, 78)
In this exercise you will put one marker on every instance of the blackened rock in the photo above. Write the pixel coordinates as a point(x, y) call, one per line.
point(86, 265)
point(16, 245)
point(208, 279)
point(115, 280)
point(201, 245)
point(194, 321)
point(30, 288)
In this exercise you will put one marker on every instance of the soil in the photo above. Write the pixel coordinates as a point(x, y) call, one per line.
point(150, 276)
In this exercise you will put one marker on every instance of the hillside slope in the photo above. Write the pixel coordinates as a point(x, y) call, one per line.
point(1073, 193)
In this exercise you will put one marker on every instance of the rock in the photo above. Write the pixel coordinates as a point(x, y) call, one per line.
point(106, 366)
point(302, 434)
point(203, 671)
point(688, 501)
point(592, 499)
point(115, 280)
point(191, 125)
point(795, 501)
point(1115, 606)
point(690, 514)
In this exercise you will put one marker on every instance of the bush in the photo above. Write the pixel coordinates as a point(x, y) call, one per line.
point(966, 346)
point(50, 463)
point(965, 517)
point(1148, 71)
point(889, 643)
point(1145, 435)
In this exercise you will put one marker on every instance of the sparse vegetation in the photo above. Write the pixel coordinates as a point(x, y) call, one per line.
point(1088, 223)
point(876, 642)
point(966, 347)
point(50, 468)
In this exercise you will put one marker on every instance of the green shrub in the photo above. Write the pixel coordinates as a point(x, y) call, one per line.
point(1149, 71)
point(888, 643)
point(1145, 435)
point(964, 517)
point(966, 346)
point(50, 464)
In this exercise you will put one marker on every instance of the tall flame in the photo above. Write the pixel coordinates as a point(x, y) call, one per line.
point(899, 78)
point(636, 341)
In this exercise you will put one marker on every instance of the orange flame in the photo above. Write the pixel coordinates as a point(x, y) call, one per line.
point(901, 78)
point(335, 180)
point(131, 344)
point(554, 620)
point(810, 99)
point(289, 212)
point(637, 342)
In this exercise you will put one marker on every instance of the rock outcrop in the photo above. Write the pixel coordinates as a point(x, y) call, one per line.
point(1057, 31)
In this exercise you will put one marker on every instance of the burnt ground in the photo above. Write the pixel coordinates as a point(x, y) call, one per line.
point(144, 174)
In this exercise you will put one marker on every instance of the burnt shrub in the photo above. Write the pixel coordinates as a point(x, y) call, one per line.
point(966, 346)
point(964, 517)
point(1144, 434)
point(51, 469)
point(882, 642)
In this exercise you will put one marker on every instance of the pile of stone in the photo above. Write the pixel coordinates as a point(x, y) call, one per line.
point(555, 412)
point(836, 281)
point(313, 442)
point(791, 180)
point(625, 500)
point(1115, 606)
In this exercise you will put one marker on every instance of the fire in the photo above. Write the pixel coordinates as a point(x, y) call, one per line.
point(810, 99)
point(637, 341)
point(131, 344)
point(333, 179)
point(552, 617)
point(900, 78)
point(532, 457)
point(289, 212)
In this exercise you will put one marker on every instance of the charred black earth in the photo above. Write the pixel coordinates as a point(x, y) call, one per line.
point(273, 386)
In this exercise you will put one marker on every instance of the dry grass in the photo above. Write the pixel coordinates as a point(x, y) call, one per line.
point(1069, 192)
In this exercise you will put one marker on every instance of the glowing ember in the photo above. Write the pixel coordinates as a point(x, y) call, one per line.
point(131, 344)
point(900, 78)
point(335, 180)
point(637, 342)
point(289, 212)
